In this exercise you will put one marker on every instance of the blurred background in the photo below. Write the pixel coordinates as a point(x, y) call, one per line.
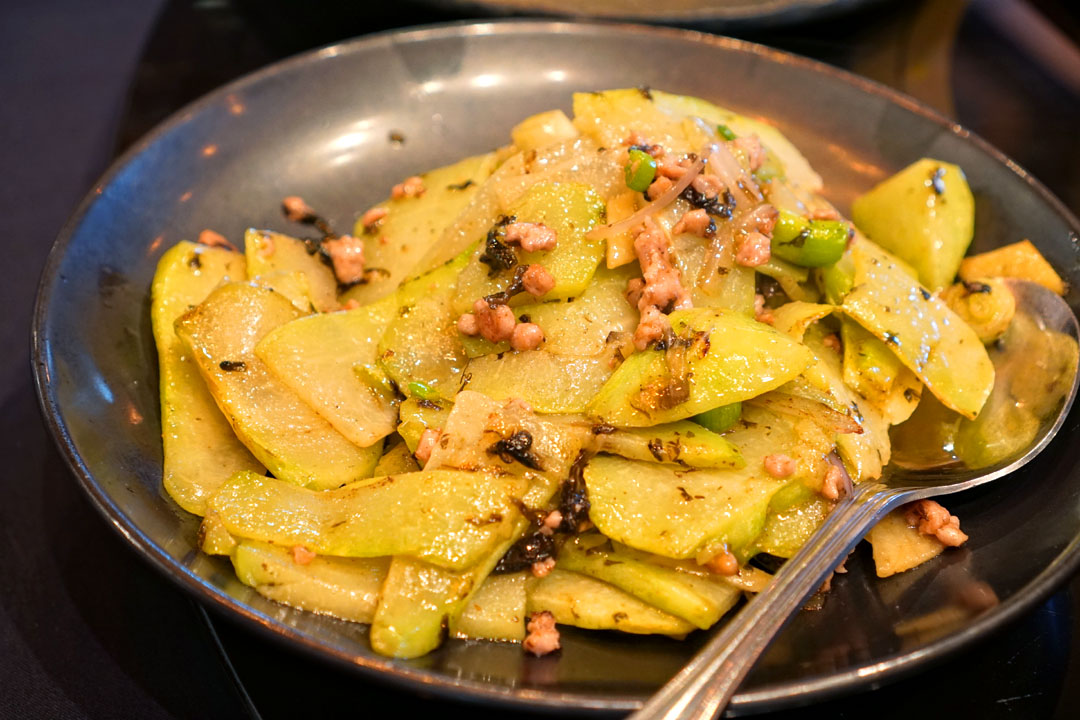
point(87, 630)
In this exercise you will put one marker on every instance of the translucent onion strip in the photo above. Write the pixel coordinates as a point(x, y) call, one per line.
point(668, 197)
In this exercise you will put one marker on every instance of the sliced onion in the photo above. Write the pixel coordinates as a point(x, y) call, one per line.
point(727, 168)
point(668, 197)
point(721, 255)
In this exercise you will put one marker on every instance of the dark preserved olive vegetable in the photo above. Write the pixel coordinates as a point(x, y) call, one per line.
point(721, 206)
point(497, 255)
point(525, 552)
point(517, 447)
point(574, 499)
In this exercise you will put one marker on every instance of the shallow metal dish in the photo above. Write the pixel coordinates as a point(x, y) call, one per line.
point(319, 125)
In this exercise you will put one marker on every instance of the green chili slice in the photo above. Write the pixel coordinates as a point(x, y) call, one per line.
point(725, 132)
point(720, 419)
point(422, 391)
point(640, 171)
point(810, 243)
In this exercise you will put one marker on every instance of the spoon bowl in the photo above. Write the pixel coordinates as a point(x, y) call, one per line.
point(704, 687)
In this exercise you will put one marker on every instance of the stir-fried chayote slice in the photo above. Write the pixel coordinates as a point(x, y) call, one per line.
point(281, 430)
point(451, 518)
point(725, 358)
point(200, 450)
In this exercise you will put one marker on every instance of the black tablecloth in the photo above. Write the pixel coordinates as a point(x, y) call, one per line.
point(87, 630)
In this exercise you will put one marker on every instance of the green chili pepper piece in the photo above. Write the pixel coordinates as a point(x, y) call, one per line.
point(837, 280)
point(640, 171)
point(810, 243)
point(422, 391)
point(720, 419)
point(725, 132)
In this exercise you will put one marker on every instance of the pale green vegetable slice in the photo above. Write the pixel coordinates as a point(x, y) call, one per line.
point(543, 129)
point(214, 538)
point(794, 406)
point(870, 367)
point(864, 454)
point(316, 357)
point(930, 339)
point(1018, 260)
point(476, 425)
point(609, 117)
point(200, 449)
point(580, 326)
point(677, 513)
point(720, 419)
point(293, 285)
point(418, 415)
point(397, 460)
point(795, 513)
point(475, 220)
point(495, 612)
point(791, 278)
point(874, 371)
point(684, 514)
point(570, 209)
point(447, 517)
point(271, 253)
point(394, 246)
point(548, 382)
point(899, 546)
point(420, 600)
point(422, 344)
point(680, 443)
point(293, 441)
point(329, 360)
point(693, 598)
point(987, 305)
point(730, 358)
point(783, 153)
point(732, 291)
point(585, 602)
point(925, 214)
point(578, 160)
point(794, 318)
point(346, 588)
point(928, 437)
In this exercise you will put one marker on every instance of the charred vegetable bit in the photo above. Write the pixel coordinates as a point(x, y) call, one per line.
point(517, 447)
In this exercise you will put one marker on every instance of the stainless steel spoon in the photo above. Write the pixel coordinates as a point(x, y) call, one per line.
point(704, 687)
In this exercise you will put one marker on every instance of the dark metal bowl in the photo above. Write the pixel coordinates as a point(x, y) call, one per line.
point(318, 125)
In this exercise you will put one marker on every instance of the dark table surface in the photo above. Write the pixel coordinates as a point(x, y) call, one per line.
point(87, 630)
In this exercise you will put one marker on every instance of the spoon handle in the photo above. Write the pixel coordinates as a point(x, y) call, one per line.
point(704, 687)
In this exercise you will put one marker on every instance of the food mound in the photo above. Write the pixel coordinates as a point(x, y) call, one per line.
point(607, 376)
